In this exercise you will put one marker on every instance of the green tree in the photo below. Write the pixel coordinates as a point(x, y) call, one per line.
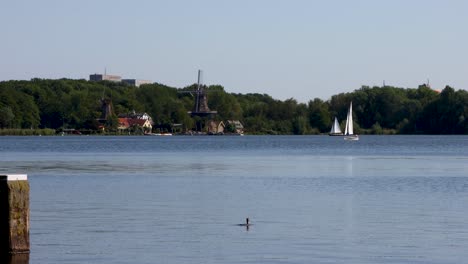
point(112, 123)
point(319, 115)
point(6, 117)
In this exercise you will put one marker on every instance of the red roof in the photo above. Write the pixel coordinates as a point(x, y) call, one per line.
point(133, 121)
point(128, 122)
point(123, 122)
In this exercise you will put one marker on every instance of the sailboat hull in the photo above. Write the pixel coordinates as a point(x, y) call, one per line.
point(351, 137)
point(335, 134)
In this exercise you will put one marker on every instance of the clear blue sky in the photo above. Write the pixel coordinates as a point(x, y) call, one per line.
point(299, 49)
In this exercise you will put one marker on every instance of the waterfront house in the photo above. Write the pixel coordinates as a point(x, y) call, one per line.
point(237, 125)
point(215, 127)
point(123, 124)
point(126, 123)
point(135, 115)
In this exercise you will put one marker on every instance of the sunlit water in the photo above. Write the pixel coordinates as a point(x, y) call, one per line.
point(311, 199)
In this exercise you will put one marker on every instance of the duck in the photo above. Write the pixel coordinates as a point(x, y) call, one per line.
point(246, 223)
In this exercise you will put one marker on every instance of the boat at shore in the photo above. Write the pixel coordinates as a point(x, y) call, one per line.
point(158, 134)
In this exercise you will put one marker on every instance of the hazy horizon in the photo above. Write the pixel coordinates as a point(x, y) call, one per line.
point(296, 49)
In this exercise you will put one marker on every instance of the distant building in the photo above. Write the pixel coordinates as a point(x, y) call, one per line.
point(134, 115)
point(215, 127)
point(123, 123)
point(115, 78)
point(133, 119)
point(127, 123)
point(105, 77)
point(237, 125)
point(136, 82)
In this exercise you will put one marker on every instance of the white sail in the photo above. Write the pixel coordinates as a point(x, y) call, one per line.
point(349, 121)
point(347, 124)
point(335, 128)
point(349, 130)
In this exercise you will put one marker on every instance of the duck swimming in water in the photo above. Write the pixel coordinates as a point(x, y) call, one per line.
point(246, 223)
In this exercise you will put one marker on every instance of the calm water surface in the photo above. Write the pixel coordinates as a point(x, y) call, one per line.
point(312, 199)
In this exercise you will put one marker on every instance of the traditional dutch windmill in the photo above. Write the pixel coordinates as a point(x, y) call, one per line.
point(201, 100)
point(200, 108)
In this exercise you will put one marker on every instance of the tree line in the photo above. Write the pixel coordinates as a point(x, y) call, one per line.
point(76, 104)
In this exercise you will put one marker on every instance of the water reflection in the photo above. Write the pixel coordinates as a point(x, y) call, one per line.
point(312, 199)
point(246, 225)
point(14, 258)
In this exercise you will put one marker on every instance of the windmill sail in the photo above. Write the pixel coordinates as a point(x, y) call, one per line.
point(201, 99)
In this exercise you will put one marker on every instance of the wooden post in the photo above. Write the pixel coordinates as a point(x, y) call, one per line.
point(14, 214)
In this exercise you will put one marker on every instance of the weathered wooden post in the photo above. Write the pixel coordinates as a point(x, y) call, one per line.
point(14, 214)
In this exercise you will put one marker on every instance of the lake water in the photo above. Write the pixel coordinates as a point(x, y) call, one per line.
point(311, 199)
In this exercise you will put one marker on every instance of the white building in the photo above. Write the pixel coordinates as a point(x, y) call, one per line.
point(136, 82)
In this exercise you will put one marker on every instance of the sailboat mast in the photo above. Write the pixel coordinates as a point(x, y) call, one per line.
point(350, 129)
point(347, 123)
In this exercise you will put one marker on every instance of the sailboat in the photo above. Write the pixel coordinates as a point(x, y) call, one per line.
point(335, 130)
point(349, 132)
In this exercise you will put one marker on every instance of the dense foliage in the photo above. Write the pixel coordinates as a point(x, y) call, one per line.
point(76, 104)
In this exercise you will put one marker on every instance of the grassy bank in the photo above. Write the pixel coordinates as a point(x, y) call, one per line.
point(27, 132)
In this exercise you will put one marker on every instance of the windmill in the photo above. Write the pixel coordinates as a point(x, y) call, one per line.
point(200, 111)
point(200, 108)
